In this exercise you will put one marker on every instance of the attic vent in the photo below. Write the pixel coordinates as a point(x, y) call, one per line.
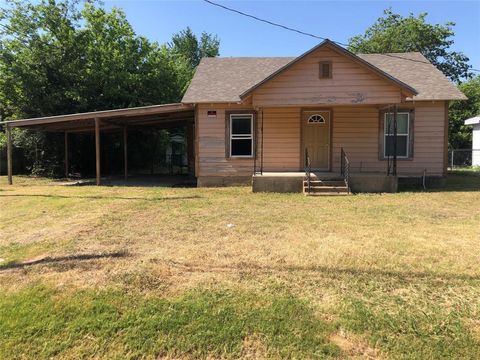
point(316, 119)
point(325, 70)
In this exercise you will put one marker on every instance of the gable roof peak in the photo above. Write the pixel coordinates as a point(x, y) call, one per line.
point(408, 89)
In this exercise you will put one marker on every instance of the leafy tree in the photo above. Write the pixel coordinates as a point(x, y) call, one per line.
point(460, 136)
point(186, 45)
point(58, 57)
point(395, 33)
point(40, 59)
point(188, 50)
point(123, 69)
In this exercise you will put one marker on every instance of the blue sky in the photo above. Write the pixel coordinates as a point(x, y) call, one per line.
point(337, 20)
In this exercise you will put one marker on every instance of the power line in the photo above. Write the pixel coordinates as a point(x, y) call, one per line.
point(306, 33)
point(268, 21)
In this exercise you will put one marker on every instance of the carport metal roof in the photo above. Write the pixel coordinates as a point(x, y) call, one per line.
point(155, 115)
point(164, 116)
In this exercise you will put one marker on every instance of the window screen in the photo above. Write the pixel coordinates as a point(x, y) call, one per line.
point(403, 134)
point(241, 135)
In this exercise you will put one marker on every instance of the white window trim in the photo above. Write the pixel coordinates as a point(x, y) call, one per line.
point(316, 122)
point(242, 137)
point(385, 135)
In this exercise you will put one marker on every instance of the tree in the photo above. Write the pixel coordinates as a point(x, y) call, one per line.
point(395, 33)
point(58, 57)
point(40, 59)
point(186, 45)
point(189, 50)
point(460, 136)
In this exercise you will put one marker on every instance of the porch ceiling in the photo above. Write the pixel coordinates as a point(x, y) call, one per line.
point(158, 116)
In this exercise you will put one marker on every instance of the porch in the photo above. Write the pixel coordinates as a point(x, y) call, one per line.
point(326, 183)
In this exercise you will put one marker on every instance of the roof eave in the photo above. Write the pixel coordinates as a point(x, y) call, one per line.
point(125, 112)
point(450, 98)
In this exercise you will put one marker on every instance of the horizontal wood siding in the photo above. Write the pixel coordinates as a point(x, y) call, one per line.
point(211, 144)
point(351, 83)
point(281, 140)
point(429, 135)
point(356, 130)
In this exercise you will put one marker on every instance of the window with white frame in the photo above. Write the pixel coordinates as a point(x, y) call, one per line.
point(403, 134)
point(241, 135)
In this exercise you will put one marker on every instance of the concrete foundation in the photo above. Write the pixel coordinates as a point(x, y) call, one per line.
point(416, 182)
point(373, 183)
point(277, 183)
point(216, 181)
point(293, 182)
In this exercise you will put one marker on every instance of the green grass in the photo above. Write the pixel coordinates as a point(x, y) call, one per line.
point(410, 332)
point(225, 273)
point(429, 318)
point(42, 323)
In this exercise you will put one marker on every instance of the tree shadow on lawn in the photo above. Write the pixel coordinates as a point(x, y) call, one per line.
point(326, 270)
point(95, 197)
point(252, 268)
point(61, 259)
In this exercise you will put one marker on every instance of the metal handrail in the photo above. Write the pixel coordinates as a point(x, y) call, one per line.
point(308, 169)
point(345, 168)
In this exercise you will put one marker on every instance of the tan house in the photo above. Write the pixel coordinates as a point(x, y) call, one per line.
point(327, 121)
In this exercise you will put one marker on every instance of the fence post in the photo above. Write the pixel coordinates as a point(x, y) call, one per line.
point(451, 160)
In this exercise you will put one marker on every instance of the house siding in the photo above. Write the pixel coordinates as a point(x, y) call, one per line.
point(357, 131)
point(281, 139)
point(355, 128)
point(351, 83)
point(211, 160)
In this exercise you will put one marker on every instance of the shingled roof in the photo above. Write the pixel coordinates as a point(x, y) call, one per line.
point(225, 79)
point(414, 69)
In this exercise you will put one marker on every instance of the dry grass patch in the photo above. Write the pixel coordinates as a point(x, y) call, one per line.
point(398, 272)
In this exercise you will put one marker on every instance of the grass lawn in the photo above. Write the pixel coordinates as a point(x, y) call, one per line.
point(129, 272)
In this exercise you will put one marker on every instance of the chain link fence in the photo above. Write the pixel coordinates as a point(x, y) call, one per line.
point(464, 159)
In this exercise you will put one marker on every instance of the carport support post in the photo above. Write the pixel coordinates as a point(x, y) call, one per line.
point(97, 149)
point(9, 154)
point(125, 153)
point(66, 154)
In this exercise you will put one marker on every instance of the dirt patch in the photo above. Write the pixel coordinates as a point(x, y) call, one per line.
point(253, 349)
point(353, 346)
point(474, 326)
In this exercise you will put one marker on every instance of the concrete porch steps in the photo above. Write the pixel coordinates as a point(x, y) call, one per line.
point(319, 187)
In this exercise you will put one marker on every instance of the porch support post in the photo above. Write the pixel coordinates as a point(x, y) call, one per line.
point(395, 113)
point(125, 156)
point(97, 149)
point(66, 154)
point(255, 142)
point(261, 158)
point(9, 153)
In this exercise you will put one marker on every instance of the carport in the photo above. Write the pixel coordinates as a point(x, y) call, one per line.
point(120, 120)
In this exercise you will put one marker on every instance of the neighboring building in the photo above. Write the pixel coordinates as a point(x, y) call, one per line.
point(475, 122)
point(259, 119)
